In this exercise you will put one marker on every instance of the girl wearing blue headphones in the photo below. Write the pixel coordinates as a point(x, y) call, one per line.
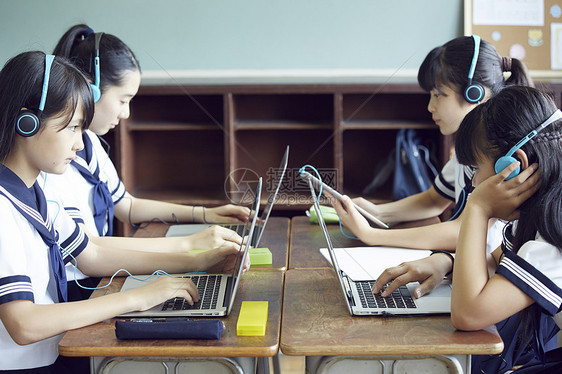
point(458, 75)
point(523, 294)
point(91, 189)
point(37, 238)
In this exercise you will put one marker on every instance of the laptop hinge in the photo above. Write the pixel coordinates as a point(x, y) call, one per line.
point(348, 291)
point(228, 293)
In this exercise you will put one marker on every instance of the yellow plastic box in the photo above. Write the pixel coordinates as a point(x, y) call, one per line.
point(253, 318)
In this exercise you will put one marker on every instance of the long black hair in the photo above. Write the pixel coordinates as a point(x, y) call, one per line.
point(21, 86)
point(116, 58)
point(489, 131)
point(492, 128)
point(449, 64)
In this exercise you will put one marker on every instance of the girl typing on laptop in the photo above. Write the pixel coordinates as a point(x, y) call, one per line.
point(91, 189)
point(459, 75)
point(45, 105)
point(519, 286)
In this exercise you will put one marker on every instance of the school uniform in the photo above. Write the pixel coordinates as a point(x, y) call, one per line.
point(36, 237)
point(88, 190)
point(454, 182)
point(536, 269)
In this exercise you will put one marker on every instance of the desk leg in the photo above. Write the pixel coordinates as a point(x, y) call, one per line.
point(276, 364)
point(437, 364)
point(262, 365)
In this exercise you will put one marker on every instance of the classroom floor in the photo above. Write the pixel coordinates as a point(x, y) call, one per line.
point(290, 364)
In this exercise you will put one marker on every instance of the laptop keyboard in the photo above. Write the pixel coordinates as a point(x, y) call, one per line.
point(238, 228)
point(400, 298)
point(208, 286)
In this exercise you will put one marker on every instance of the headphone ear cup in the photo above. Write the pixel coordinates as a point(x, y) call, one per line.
point(27, 123)
point(504, 162)
point(474, 93)
point(96, 92)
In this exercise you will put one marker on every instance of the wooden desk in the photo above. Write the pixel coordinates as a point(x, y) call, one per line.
point(307, 239)
point(275, 237)
point(316, 322)
point(259, 284)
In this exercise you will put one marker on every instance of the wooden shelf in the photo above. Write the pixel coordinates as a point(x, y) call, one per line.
point(279, 125)
point(183, 143)
point(386, 125)
point(170, 126)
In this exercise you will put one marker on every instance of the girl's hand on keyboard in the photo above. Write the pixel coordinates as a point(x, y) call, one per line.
point(214, 237)
point(162, 289)
point(229, 213)
point(429, 272)
point(221, 260)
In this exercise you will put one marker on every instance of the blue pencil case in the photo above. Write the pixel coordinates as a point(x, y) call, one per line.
point(185, 329)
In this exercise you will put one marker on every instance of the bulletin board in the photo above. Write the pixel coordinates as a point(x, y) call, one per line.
point(530, 30)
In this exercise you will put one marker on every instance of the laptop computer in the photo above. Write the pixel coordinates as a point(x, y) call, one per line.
point(216, 291)
point(188, 229)
point(360, 299)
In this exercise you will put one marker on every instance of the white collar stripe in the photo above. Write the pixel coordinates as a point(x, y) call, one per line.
point(30, 211)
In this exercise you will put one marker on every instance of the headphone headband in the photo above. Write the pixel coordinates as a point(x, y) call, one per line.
point(474, 92)
point(28, 121)
point(554, 117)
point(474, 57)
point(508, 159)
point(48, 63)
point(97, 38)
point(96, 85)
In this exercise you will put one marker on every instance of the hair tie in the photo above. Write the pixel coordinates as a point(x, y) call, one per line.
point(88, 32)
point(506, 63)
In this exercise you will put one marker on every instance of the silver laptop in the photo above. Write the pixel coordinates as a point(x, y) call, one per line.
point(188, 229)
point(216, 291)
point(361, 301)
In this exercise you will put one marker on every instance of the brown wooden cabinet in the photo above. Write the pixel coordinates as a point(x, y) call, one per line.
point(181, 143)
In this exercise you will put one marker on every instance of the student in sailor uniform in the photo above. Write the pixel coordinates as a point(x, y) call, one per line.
point(91, 189)
point(444, 74)
point(519, 286)
point(36, 235)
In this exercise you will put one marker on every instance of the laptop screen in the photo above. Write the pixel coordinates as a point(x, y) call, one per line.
point(279, 175)
point(249, 229)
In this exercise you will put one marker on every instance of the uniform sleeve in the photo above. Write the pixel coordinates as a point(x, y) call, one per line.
point(537, 270)
point(72, 239)
point(75, 214)
point(444, 182)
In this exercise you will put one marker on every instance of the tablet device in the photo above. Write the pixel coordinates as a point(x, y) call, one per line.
point(316, 182)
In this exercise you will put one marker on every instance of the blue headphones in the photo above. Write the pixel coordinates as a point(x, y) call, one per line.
point(474, 92)
point(508, 159)
point(28, 122)
point(96, 86)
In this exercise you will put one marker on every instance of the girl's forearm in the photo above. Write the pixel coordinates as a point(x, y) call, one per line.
point(438, 236)
point(172, 244)
point(105, 261)
point(35, 322)
point(471, 265)
point(138, 210)
point(419, 206)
